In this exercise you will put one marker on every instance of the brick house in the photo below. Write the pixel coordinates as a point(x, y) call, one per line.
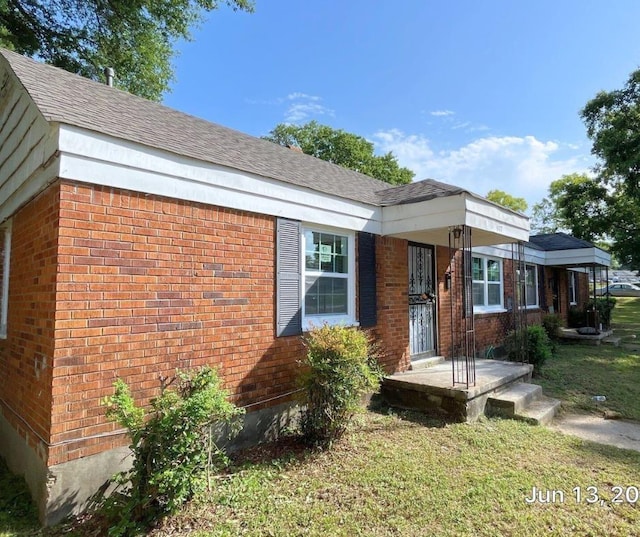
point(137, 240)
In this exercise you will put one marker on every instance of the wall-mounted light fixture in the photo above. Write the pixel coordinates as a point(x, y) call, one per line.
point(447, 280)
point(457, 232)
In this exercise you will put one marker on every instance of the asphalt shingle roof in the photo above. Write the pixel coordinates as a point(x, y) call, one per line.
point(558, 241)
point(70, 99)
point(418, 191)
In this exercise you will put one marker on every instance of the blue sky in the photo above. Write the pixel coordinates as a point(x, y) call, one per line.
point(481, 94)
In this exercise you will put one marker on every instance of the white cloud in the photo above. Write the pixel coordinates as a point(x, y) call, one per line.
point(303, 107)
point(299, 106)
point(442, 113)
point(521, 166)
point(296, 95)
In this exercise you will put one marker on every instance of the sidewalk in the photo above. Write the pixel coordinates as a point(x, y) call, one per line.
point(620, 433)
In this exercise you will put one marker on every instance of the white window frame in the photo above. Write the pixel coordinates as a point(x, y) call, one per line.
point(4, 292)
point(571, 288)
point(535, 283)
point(349, 319)
point(496, 308)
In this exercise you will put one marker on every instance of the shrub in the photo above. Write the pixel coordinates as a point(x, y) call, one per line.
point(576, 317)
point(338, 370)
point(531, 344)
point(551, 324)
point(172, 446)
point(604, 307)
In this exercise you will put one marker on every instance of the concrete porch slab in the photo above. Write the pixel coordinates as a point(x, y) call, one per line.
point(594, 339)
point(433, 388)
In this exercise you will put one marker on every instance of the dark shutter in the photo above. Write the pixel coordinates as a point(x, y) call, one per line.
point(367, 279)
point(288, 270)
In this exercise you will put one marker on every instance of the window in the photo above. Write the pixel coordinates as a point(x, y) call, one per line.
point(487, 284)
point(531, 286)
point(573, 295)
point(5, 251)
point(328, 276)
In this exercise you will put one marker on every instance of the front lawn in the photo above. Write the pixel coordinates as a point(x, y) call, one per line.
point(406, 475)
point(580, 372)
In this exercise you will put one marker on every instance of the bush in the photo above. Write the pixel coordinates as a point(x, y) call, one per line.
point(172, 447)
point(532, 345)
point(338, 370)
point(551, 324)
point(604, 307)
point(576, 317)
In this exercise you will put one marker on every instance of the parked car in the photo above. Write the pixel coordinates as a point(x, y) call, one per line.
point(620, 289)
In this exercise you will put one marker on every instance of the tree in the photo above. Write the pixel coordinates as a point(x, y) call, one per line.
point(342, 148)
point(613, 124)
point(543, 217)
point(134, 37)
point(578, 204)
point(507, 200)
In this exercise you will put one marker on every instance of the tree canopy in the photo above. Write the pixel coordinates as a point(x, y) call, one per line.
point(342, 148)
point(134, 37)
point(507, 200)
point(613, 124)
point(577, 204)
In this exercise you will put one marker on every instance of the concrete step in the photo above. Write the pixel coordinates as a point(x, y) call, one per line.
point(423, 363)
point(541, 411)
point(513, 400)
point(612, 340)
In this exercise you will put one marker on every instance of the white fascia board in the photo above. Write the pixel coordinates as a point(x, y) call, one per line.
point(503, 251)
point(486, 216)
point(95, 158)
point(425, 215)
point(491, 223)
point(579, 256)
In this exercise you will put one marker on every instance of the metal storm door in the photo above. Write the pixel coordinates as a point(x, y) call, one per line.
point(422, 302)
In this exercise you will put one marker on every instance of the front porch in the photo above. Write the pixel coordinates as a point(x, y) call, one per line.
point(500, 388)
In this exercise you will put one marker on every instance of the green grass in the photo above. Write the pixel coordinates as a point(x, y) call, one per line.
point(17, 514)
point(402, 475)
point(579, 372)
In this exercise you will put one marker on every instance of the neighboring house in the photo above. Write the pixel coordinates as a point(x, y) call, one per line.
point(137, 240)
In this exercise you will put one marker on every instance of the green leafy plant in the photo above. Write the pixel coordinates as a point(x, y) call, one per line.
point(576, 317)
point(531, 344)
point(172, 445)
point(338, 371)
point(552, 324)
point(604, 307)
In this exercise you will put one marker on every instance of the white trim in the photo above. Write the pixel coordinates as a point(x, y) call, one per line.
point(570, 259)
point(4, 298)
point(485, 308)
point(349, 319)
point(428, 221)
point(100, 159)
point(578, 256)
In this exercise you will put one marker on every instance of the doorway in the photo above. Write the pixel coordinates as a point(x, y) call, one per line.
point(422, 301)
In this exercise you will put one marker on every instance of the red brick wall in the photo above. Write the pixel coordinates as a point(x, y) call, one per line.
point(490, 328)
point(26, 354)
point(392, 291)
point(147, 285)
